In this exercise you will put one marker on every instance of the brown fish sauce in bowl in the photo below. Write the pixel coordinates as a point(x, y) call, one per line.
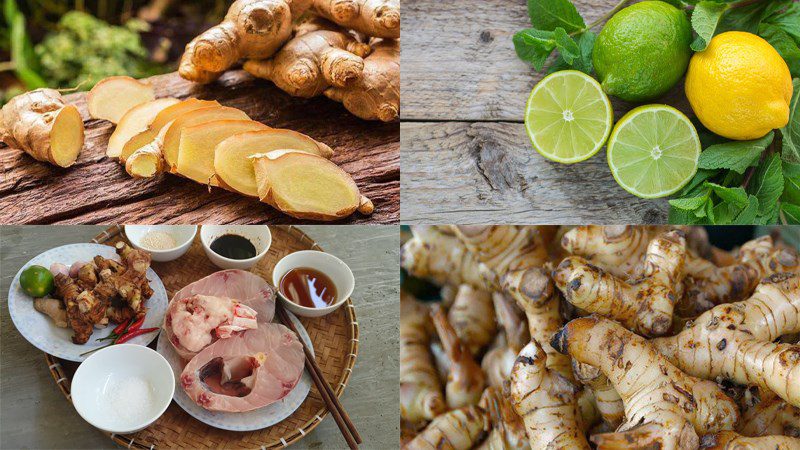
point(308, 287)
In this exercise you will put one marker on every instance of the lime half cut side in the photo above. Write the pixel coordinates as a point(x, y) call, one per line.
point(653, 151)
point(568, 117)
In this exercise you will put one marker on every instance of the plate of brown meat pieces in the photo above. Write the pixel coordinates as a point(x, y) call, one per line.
point(99, 289)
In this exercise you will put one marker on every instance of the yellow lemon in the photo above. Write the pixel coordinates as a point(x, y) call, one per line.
point(739, 87)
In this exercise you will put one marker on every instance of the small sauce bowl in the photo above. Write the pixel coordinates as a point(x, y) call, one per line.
point(333, 267)
point(183, 235)
point(97, 382)
point(258, 235)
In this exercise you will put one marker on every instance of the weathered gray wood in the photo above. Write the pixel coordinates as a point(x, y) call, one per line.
point(97, 189)
point(487, 172)
point(34, 413)
point(459, 67)
point(459, 61)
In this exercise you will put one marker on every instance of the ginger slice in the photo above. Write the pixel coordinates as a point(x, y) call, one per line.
point(42, 125)
point(135, 121)
point(172, 137)
point(161, 119)
point(197, 144)
point(233, 168)
point(307, 186)
point(148, 161)
point(112, 97)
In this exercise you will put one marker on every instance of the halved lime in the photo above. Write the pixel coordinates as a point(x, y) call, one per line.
point(568, 117)
point(653, 151)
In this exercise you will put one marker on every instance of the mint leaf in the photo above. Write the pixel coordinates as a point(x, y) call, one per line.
point(791, 183)
point(784, 45)
point(748, 215)
point(586, 44)
point(691, 189)
point(534, 46)
point(767, 184)
point(548, 15)
point(566, 46)
point(689, 204)
point(725, 213)
point(791, 132)
point(734, 155)
point(790, 214)
point(705, 18)
point(737, 196)
point(710, 212)
point(681, 217)
point(788, 21)
point(747, 18)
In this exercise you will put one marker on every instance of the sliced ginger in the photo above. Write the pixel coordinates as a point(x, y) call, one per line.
point(172, 137)
point(112, 97)
point(197, 144)
point(148, 160)
point(307, 186)
point(42, 125)
point(164, 117)
point(135, 121)
point(232, 165)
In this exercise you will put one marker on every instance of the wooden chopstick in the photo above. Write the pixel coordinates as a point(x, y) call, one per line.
point(331, 401)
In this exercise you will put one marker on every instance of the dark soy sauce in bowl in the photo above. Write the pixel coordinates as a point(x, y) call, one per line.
point(233, 246)
point(308, 287)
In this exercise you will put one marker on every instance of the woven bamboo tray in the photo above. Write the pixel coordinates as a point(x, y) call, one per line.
point(335, 339)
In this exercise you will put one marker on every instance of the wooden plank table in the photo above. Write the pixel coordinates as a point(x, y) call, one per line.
point(466, 157)
point(35, 414)
point(97, 189)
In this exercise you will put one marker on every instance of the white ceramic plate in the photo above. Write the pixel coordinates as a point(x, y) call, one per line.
point(245, 421)
point(40, 330)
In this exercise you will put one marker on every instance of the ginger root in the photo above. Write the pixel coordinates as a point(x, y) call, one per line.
point(546, 401)
point(54, 308)
point(735, 341)
point(43, 125)
point(147, 161)
point(251, 29)
point(664, 407)
point(443, 259)
point(313, 61)
point(233, 168)
point(421, 395)
point(376, 94)
point(645, 305)
point(472, 317)
point(728, 440)
point(134, 122)
point(459, 429)
point(113, 97)
point(378, 18)
point(307, 186)
point(465, 379)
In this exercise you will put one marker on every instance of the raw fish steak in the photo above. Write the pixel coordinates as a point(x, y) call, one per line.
point(217, 306)
point(246, 371)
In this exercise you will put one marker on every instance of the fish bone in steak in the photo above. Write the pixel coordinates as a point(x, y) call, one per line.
point(246, 371)
point(217, 306)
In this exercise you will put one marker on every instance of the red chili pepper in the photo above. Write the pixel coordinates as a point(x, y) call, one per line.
point(136, 325)
point(132, 334)
point(121, 327)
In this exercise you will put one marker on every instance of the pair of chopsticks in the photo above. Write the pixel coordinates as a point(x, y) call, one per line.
point(331, 401)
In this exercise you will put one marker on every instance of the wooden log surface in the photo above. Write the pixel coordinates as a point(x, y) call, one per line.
point(466, 156)
point(97, 189)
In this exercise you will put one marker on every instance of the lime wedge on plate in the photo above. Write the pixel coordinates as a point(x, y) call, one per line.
point(653, 151)
point(568, 117)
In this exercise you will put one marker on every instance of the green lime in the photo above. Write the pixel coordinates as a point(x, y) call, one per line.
point(653, 151)
point(642, 51)
point(568, 117)
point(36, 281)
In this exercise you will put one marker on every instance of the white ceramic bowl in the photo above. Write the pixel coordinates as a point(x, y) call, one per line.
point(99, 379)
point(183, 235)
point(333, 267)
point(259, 235)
